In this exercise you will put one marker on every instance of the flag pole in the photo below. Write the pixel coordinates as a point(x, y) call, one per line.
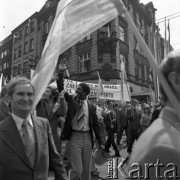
point(172, 98)
point(127, 86)
point(100, 87)
point(122, 80)
point(165, 39)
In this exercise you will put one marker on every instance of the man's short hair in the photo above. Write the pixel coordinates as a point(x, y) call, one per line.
point(85, 88)
point(170, 64)
point(15, 81)
point(134, 101)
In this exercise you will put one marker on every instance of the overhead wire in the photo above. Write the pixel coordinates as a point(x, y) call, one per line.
point(168, 16)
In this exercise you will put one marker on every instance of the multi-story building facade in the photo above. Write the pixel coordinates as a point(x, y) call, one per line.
point(25, 55)
point(6, 58)
point(102, 50)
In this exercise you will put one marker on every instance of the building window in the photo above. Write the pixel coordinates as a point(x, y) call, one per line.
point(25, 67)
point(4, 54)
point(20, 34)
point(106, 30)
point(142, 72)
point(124, 59)
point(136, 70)
point(15, 71)
point(15, 53)
point(19, 51)
point(46, 28)
point(8, 64)
point(26, 30)
point(16, 37)
point(147, 73)
point(139, 70)
point(19, 68)
point(31, 26)
point(135, 43)
point(31, 47)
point(84, 62)
point(25, 47)
point(122, 33)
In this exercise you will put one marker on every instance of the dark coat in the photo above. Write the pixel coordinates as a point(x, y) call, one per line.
point(4, 110)
point(43, 110)
point(121, 116)
point(134, 116)
point(73, 106)
point(156, 113)
point(14, 163)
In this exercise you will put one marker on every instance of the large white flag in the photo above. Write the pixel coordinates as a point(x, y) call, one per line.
point(74, 20)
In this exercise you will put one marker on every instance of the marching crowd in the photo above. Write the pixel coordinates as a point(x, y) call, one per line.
point(31, 144)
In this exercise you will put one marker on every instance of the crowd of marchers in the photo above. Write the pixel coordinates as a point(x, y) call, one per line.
point(31, 143)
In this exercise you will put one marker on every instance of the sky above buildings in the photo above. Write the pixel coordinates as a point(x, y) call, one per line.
point(14, 12)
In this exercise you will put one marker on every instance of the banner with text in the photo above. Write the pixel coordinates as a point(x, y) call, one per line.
point(110, 92)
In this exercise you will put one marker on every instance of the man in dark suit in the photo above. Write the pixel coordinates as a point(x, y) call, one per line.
point(4, 103)
point(134, 116)
point(108, 120)
point(122, 124)
point(27, 149)
point(81, 121)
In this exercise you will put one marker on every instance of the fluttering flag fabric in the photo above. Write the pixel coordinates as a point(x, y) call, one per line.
point(74, 20)
point(100, 86)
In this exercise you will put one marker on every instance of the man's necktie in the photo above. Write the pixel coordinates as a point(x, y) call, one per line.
point(82, 113)
point(29, 141)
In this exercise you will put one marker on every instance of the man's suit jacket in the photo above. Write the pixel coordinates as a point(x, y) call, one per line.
point(134, 116)
point(121, 118)
point(14, 163)
point(107, 121)
point(4, 110)
point(43, 110)
point(161, 141)
point(73, 106)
